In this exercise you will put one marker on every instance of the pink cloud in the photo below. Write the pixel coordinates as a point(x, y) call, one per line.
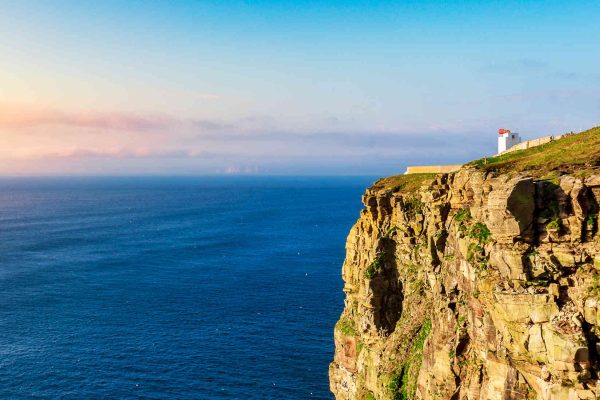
point(15, 117)
point(118, 153)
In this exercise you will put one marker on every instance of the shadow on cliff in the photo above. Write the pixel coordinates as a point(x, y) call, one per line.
point(387, 290)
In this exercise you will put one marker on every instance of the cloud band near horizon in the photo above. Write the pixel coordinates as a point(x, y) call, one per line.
point(96, 142)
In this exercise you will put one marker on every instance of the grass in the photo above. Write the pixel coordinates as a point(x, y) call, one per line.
point(577, 154)
point(532, 253)
point(595, 289)
point(590, 220)
point(403, 384)
point(481, 233)
point(463, 216)
point(376, 266)
point(553, 225)
point(347, 328)
point(474, 252)
point(405, 183)
point(573, 154)
point(414, 206)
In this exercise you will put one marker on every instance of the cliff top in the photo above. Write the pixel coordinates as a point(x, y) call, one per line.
point(405, 183)
point(577, 154)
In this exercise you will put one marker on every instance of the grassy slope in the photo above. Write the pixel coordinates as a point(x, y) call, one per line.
point(405, 183)
point(576, 154)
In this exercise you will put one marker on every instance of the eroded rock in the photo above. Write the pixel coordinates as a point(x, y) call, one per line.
point(476, 294)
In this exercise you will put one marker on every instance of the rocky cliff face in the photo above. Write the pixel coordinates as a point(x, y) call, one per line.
point(475, 286)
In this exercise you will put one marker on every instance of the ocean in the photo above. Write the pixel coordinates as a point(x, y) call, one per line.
point(171, 288)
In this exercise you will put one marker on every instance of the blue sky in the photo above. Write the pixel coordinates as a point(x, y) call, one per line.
point(303, 87)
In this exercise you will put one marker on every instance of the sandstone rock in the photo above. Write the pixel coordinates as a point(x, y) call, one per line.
point(454, 313)
point(592, 181)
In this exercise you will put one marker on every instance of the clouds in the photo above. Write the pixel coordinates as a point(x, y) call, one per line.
point(21, 116)
point(183, 146)
point(47, 140)
point(314, 89)
point(121, 153)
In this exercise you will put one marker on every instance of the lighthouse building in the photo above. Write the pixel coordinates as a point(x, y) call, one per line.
point(507, 139)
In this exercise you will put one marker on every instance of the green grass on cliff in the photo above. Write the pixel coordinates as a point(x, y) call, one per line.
point(403, 384)
point(404, 183)
point(346, 327)
point(575, 154)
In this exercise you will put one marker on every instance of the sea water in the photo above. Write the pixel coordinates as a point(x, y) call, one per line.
point(171, 288)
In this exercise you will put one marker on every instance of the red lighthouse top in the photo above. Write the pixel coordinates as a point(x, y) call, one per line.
point(502, 131)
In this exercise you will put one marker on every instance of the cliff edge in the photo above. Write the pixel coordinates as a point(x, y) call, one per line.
point(478, 284)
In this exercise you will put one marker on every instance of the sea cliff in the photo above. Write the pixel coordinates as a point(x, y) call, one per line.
point(477, 284)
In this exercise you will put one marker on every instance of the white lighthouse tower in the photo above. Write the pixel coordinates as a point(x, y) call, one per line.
point(507, 139)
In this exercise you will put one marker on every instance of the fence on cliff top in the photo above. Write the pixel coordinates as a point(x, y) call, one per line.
point(534, 143)
point(435, 169)
point(444, 169)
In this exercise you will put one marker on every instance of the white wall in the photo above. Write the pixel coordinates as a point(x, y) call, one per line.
point(507, 140)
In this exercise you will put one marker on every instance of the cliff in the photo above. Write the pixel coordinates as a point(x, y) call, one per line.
point(478, 284)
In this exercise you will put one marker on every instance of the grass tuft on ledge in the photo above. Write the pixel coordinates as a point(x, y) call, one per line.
point(404, 183)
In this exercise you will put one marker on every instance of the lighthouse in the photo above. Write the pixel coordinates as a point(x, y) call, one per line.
point(507, 139)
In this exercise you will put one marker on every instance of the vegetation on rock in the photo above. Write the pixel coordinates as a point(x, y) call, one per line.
point(403, 384)
point(405, 183)
point(376, 266)
point(346, 327)
point(480, 233)
point(463, 216)
point(574, 154)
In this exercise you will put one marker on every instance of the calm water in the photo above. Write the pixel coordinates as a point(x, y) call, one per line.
point(177, 288)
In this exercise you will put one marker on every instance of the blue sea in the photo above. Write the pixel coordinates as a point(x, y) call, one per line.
point(171, 288)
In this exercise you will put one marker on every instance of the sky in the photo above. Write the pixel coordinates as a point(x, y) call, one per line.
point(286, 87)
